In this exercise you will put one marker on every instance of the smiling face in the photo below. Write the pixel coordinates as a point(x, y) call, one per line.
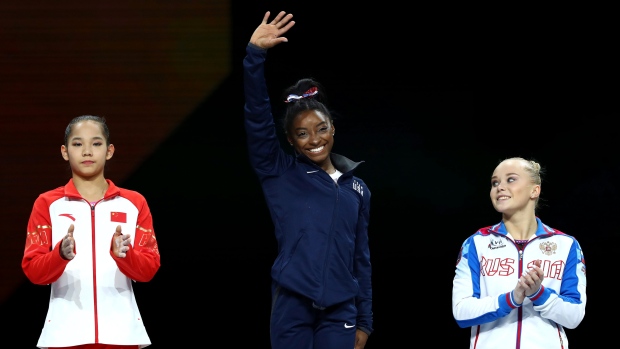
point(513, 189)
point(87, 149)
point(312, 134)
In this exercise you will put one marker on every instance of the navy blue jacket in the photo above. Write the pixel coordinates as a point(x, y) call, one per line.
point(321, 226)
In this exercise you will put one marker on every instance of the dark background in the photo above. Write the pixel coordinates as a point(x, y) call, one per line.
point(430, 98)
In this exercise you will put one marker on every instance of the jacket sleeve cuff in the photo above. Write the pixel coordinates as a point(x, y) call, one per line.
point(365, 330)
point(510, 300)
point(256, 47)
point(538, 296)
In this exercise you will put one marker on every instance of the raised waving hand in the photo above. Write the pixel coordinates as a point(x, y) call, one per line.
point(267, 35)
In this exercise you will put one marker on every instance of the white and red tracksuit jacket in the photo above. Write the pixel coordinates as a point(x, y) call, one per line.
point(487, 270)
point(92, 298)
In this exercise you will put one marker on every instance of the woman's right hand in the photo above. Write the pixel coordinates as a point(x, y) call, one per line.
point(267, 35)
point(528, 283)
point(67, 247)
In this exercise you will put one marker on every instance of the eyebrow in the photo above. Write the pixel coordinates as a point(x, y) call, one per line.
point(77, 138)
point(507, 174)
point(317, 125)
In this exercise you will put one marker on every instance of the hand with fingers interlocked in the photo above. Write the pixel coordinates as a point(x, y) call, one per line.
point(529, 282)
point(267, 35)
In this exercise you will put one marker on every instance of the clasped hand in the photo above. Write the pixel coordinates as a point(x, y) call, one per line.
point(67, 247)
point(528, 283)
point(120, 244)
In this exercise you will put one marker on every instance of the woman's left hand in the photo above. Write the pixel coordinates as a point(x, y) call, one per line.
point(120, 243)
point(532, 279)
point(267, 35)
point(360, 339)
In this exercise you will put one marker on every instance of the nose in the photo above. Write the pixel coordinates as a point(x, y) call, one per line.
point(315, 138)
point(86, 151)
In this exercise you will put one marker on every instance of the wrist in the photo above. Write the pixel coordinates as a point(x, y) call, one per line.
point(517, 298)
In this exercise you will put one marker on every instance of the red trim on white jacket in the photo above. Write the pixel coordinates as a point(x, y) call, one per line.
point(92, 298)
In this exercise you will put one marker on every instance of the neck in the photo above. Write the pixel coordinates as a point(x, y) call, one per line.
point(331, 170)
point(91, 189)
point(327, 166)
point(521, 228)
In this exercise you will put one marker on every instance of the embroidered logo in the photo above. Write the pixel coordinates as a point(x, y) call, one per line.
point(495, 244)
point(68, 215)
point(548, 247)
point(358, 187)
point(39, 237)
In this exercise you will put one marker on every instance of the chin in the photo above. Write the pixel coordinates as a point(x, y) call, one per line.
point(319, 161)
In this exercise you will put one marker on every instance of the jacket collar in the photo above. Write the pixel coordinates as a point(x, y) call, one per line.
point(541, 230)
point(340, 162)
point(71, 190)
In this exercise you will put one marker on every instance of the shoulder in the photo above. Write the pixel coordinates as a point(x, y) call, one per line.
point(562, 235)
point(485, 230)
point(131, 194)
point(360, 186)
point(359, 181)
point(54, 191)
point(52, 194)
point(556, 232)
point(482, 233)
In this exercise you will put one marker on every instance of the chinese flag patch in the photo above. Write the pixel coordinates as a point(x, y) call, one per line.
point(120, 217)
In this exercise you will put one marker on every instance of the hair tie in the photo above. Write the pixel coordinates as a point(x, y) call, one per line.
point(311, 92)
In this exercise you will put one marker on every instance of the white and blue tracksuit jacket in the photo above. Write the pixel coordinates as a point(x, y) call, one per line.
point(487, 270)
point(321, 226)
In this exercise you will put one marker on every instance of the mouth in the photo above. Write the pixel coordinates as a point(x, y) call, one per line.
point(502, 198)
point(316, 150)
